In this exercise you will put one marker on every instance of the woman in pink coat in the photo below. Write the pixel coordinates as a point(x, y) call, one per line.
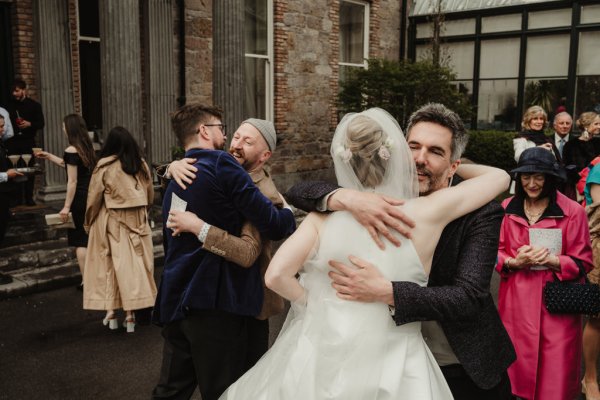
point(544, 235)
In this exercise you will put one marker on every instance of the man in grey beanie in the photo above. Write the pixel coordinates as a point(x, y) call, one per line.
point(252, 145)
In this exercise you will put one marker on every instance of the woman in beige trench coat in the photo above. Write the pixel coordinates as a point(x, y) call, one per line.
point(120, 262)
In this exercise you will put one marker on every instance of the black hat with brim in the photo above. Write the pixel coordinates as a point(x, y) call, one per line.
point(539, 160)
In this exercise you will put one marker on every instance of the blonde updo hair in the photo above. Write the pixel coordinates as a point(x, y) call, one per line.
point(364, 139)
point(585, 120)
point(531, 113)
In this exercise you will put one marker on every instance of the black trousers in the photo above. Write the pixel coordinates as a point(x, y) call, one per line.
point(463, 387)
point(207, 349)
point(258, 341)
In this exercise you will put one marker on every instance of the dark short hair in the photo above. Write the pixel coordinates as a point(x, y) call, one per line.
point(549, 189)
point(440, 114)
point(186, 118)
point(121, 143)
point(19, 83)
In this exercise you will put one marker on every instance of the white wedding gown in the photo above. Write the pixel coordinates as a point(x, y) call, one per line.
point(339, 349)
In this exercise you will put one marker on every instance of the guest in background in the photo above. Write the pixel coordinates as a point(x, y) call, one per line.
point(6, 187)
point(580, 152)
point(562, 125)
point(120, 264)
point(548, 346)
point(8, 128)
point(534, 122)
point(27, 119)
point(583, 150)
point(79, 160)
point(591, 332)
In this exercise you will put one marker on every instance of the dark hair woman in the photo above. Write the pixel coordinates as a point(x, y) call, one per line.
point(121, 260)
point(79, 159)
point(544, 236)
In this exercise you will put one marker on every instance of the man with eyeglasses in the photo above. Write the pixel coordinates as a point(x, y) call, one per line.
point(252, 145)
point(205, 302)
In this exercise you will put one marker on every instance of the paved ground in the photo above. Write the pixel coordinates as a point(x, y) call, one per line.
point(51, 349)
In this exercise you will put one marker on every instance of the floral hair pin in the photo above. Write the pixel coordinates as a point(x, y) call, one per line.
point(343, 153)
point(384, 150)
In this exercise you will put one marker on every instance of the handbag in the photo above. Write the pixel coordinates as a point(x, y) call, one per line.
point(54, 221)
point(571, 297)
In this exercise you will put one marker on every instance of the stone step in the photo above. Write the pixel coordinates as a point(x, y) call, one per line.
point(39, 278)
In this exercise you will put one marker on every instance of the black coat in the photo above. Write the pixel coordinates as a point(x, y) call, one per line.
point(458, 293)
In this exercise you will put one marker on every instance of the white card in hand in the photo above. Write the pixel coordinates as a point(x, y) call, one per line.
point(177, 203)
point(548, 238)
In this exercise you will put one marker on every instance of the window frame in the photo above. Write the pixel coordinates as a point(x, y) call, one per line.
point(366, 32)
point(269, 70)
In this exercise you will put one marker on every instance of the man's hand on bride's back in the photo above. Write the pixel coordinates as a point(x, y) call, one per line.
point(360, 280)
point(376, 212)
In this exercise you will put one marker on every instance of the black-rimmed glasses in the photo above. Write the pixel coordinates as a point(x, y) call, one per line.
point(222, 127)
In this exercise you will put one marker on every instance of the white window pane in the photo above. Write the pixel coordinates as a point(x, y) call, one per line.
point(546, 93)
point(587, 98)
point(589, 56)
point(460, 58)
point(497, 105)
point(458, 27)
point(255, 27)
point(352, 32)
point(499, 58)
point(256, 87)
point(547, 56)
point(550, 18)
point(424, 30)
point(501, 23)
point(590, 14)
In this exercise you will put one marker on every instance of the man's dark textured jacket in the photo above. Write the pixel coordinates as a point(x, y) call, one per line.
point(458, 293)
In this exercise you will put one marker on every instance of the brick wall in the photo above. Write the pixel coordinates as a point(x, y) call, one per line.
point(23, 36)
point(75, 65)
point(306, 47)
point(198, 54)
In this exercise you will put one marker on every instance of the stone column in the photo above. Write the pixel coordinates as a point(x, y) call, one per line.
point(160, 78)
point(228, 60)
point(120, 54)
point(54, 60)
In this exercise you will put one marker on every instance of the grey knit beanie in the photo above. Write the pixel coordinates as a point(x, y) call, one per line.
point(266, 129)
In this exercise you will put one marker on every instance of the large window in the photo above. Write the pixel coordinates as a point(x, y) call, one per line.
point(498, 71)
point(89, 63)
point(587, 97)
point(258, 39)
point(354, 36)
point(546, 82)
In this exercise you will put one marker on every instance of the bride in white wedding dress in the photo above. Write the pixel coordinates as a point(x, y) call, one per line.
point(331, 348)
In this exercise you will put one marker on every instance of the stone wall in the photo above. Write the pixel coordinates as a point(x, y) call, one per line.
point(198, 53)
point(23, 36)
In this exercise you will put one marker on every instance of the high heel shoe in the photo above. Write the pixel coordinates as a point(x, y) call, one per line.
point(111, 321)
point(584, 391)
point(129, 324)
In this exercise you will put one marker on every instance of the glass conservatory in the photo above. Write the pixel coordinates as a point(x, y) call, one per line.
point(510, 54)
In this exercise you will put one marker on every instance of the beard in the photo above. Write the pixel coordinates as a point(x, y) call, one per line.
point(430, 184)
point(220, 146)
point(240, 157)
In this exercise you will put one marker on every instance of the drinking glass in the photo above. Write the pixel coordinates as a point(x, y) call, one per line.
point(26, 158)
point(14, 159)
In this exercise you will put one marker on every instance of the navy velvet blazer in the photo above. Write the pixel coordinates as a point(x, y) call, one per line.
point(223, 195)
point(458, 292)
